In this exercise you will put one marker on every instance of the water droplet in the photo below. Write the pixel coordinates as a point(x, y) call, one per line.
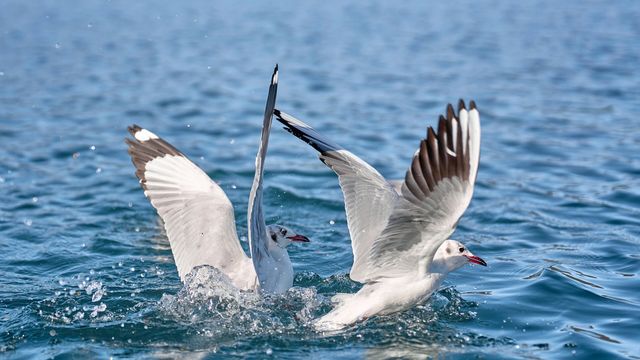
point(57, 46)
point(1, 73)
point(98, 170)
point(234, 187)
point(137, 229)
point(53, 333)
point(132, 269)
point(34, 199)
point(28, 222)
point(130, 204)
point(75, 155)
point(269, 351)
point(89, 25)
point(92, 147)
point(97, 296)
point(332, 222)
point(232, 141)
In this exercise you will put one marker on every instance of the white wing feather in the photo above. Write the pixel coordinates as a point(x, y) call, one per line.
point(368, 197)
point(436, 192)
point(258, 236)
point(197, 215)
point(396, 229)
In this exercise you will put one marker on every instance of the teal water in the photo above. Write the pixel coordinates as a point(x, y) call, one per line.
point(85, 267)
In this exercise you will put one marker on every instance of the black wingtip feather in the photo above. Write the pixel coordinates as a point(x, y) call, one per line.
point(450, 113)
point(441, 154)
point(274, 76)
point(133, 129)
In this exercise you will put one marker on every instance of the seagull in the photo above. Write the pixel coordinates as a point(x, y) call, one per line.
point(400, 229)
point(199, 217)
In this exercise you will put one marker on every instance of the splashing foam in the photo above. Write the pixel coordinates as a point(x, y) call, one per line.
point(210, 301)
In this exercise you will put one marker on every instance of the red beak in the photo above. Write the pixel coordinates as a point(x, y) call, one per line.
point(298, 238)
point(476, 260)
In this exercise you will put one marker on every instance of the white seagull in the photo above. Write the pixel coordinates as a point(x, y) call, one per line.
point(399, 230)
point(199, 218)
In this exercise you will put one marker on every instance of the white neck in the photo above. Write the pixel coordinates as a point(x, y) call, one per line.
point(276, 270)
point(439, 266)
point(278, 254)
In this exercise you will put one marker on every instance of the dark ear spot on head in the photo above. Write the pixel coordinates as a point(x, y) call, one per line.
point(448, 250)
point(273, 236)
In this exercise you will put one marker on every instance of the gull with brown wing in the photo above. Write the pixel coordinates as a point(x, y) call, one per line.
point(400, 231)
point(199, 217)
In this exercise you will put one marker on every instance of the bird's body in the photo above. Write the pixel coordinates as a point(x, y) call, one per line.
point(384, 297)
point(278, 269)
point(399, 230)
point(396, 294)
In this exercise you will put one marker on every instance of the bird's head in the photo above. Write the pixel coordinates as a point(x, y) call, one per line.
point(452, 255)
point(283, 236)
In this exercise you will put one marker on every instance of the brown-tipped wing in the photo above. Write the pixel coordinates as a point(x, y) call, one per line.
point(437, 189)
point(198, 216)
point(396, 228)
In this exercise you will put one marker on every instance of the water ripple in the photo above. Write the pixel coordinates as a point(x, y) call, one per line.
point(555, 212)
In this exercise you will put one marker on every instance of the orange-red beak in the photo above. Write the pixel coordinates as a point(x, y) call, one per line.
point(298, 238)
point(476, 260)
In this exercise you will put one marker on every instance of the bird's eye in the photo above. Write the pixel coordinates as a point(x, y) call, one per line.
point(461, 249)
point(283, 232)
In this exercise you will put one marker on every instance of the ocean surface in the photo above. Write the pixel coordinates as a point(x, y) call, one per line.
point(85, 266)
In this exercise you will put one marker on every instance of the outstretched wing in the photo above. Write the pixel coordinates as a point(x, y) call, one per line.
point(369, 199)
point(257, 228)
point(197, 215)
point(396, 228)
point(435, 193)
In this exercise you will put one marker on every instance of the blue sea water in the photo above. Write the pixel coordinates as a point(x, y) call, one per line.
point(85, 267)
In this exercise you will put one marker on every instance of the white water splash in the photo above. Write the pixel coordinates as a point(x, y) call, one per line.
point(209, 299)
